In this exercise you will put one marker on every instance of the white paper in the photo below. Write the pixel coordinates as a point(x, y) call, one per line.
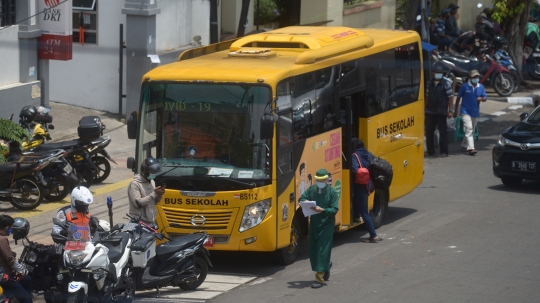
point(154, 58)
point(220, 172)
point(306, 208)
point(245, 174)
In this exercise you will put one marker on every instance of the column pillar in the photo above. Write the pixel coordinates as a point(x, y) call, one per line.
point(28, 44)
point(140, 42)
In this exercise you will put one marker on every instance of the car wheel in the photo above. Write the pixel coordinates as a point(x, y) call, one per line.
point(511, 181)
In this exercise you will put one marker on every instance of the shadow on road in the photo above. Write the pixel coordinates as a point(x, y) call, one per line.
point(299, 284)
point(527, 187)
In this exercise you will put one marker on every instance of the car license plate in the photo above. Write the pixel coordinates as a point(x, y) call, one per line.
point(209, 242)
point(68, 168)
point(527, 51)
point(524, 166)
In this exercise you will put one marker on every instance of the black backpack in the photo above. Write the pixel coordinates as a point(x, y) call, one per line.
point(381, 172)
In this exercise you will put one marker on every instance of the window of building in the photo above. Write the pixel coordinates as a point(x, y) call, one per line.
point(87, 11)
point(7, 12)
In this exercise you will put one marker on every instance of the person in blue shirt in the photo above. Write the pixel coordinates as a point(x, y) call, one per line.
point(472, 93)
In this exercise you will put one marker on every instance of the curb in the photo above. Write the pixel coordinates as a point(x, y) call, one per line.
point(533, 99)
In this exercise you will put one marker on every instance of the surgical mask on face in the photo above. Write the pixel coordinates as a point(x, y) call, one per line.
point(151, 176)
point(8, 231)
point(475, 80)
point(438, 76)
point(321, 185)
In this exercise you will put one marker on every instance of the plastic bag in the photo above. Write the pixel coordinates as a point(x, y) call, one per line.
point(450, 123)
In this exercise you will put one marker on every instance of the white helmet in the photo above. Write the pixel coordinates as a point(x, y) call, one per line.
point(81, 197)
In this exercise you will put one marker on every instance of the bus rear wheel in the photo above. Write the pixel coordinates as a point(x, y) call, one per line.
point(380, 207)
point(287, 255)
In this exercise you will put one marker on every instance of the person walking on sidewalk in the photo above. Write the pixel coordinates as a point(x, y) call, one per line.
point(472, 93)
point(439, 100)
point(321, 225)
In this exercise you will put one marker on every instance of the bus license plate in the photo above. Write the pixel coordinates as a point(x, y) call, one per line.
point(209, 242)
point(68, 168)
point(524, 166)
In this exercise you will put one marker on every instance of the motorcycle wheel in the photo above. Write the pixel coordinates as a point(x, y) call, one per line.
point(503, 84)
point(533, 68)
point(26, 194)
point(517, 81)
point(85, 176)
point(201, 270)
point(128, 286)
point(59, 188)
point(73, 297)
point(104, 169)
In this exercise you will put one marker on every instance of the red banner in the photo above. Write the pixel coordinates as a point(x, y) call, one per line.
point(55, 47)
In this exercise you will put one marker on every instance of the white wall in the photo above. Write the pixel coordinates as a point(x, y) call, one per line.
point(173, 24)
point(230, 15)
point(200, 20)
point(9, 54)
point(91, 79)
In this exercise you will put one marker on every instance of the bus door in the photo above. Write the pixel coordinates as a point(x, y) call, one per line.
point(286, 182)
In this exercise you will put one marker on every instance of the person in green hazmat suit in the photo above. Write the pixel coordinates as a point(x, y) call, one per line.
point(321, 226)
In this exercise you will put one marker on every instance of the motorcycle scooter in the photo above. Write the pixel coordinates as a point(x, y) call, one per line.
point(182, 261)
point(95, 268)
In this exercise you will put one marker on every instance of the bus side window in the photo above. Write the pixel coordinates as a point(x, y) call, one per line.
point(304, 105)
point(283, 93)
point(407, 74)
point(348, 75)
point(285, 135)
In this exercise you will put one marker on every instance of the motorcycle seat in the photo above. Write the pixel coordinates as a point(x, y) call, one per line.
point(178, 244)
point(9, 167)
point(116, 245)
point(57, 145)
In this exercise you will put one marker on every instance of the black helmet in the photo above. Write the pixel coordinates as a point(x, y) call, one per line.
point(150, 166)
point(499, 41)
point(28, 114)
point(20, 228)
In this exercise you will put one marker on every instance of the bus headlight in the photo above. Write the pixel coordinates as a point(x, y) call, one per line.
point(254, 214)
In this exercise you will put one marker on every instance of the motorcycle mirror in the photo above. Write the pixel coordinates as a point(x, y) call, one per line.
point(479, 5)
point(50, 126)
point(418, 18)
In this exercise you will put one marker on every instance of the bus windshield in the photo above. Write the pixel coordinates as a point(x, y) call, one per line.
point(206, 132)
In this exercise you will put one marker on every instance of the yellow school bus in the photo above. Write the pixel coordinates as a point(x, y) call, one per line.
point(240, 127)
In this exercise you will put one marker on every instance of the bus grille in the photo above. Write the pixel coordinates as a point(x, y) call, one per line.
point(213, 219)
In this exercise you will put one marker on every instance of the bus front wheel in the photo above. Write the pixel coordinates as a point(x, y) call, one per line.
point(380, 207)
point(287, 255)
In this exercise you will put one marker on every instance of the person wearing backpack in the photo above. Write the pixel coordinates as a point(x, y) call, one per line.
point(362, 187)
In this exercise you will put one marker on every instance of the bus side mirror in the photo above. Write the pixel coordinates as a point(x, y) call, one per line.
point(267, 127)
point(130, 163)
point(132, 126)
point(523, 116)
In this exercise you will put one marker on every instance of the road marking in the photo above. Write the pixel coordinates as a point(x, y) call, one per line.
point(514, 107)
point(213, 286)
point(483, 119)
point(498, 114)
point(49, 206)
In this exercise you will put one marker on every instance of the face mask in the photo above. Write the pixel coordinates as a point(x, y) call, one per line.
point(438, 76)
point(8, 231)
point(475, 80)
point(151, 176)
point(321, 185)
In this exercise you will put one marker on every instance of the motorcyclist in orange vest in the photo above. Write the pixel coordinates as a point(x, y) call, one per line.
point(77, 213)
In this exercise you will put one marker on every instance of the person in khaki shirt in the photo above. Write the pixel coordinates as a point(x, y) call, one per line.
point(143, 194)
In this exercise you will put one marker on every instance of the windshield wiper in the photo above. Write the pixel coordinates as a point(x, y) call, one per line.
point(251, 185)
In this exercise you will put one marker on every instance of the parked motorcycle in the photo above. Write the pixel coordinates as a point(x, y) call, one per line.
point(182, 261)
point(21, 181)
point(95, 268)
point(88, 157)
point(494, 73)
point(531, 61)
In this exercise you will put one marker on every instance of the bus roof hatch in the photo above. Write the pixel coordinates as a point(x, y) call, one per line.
point(314, 43)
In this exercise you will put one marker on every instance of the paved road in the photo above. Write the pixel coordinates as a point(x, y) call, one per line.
point(460, 236)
